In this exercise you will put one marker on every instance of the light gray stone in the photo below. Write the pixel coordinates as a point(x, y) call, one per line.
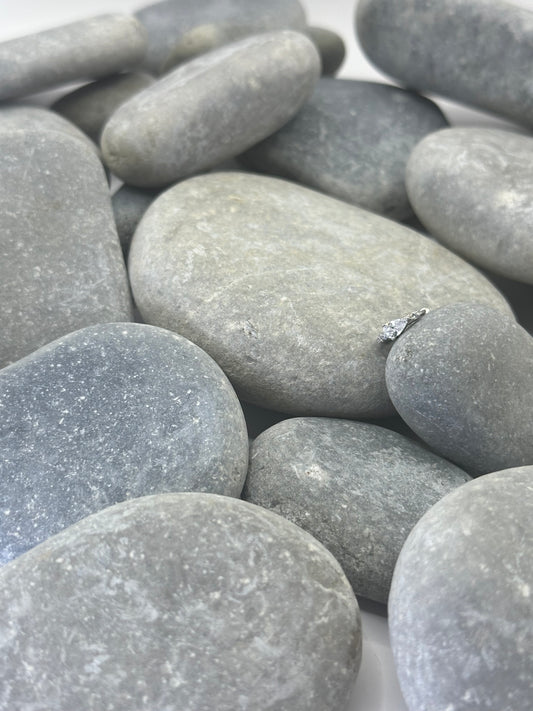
point(92, 105)
point(109, 413)
point(352, 140)
point(472, 188)
point(287, 289)
point(129, 205)
point(172, 24)
point(90, 48)
point(461, 603)
point(477, 52)
point(462, 379)
point(182, 602)
point(357, 488)
point(62, 267)
point(330, 47)
point(210, 109)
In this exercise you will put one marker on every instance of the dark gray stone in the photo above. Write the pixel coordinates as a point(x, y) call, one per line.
point(92, 105)
point(210, 109)
point(90, 48)
point(259, 419)
point(61, 267)
point(478, 52)
point(109, 413)
point(287, 289)
point(462, 379)
point(129, 205)
point(351, 140)
point(330, 47)
point(182, 602)
point(519, 296)
point(172, 23)
point(461, 603)
point(472, 188)
point(357, 488)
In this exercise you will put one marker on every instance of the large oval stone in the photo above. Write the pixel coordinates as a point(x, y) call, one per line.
point(351, 140)
point(357, 488)
point(210, 108)
point(474, 52)
point(62, 267)
point(472, 188)
point(109, 413)
point(287, 289)
point(179, 602)
point(462, 379)
point(461, 602)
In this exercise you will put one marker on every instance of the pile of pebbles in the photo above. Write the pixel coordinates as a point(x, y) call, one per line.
point(210, 443)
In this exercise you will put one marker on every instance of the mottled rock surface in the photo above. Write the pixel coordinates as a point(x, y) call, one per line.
point(129, 205)
point(351, 140)
point(90, 48)
point(210, 109)
point(462, 379)
point(357, 488)
point(172, 23)
point(287, 289)
point(330, 47)
point(455, 48)
point(182, 602)
point(62, 267)
point(461, 608)
point(109, 413)
point(472, 188)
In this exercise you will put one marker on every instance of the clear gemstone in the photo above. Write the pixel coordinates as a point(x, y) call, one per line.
point(393, 329)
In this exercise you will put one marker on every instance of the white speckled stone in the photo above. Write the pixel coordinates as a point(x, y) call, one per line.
point(462, 379)
point(461, 602)
point(108, 413)
point(182, 602)
point(61, 265)
point(287, 289)
point(90, 48)
point(476, 52)
point(210, 109)
point(472, 188)
point(357, 488)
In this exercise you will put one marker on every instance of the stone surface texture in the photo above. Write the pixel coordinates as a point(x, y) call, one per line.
point(461, 608)
point(210, 109)
point(287, 289)
point(129, 205)
point(351, 140)
point(462, 379)
point(61, 266)
point(472, 188)
point(455, 48)
point(92, 105)
point(331, 48)
point(182, 602)
point(172, 23)
point(90, 48)
point(357, 488)
point(110, 413)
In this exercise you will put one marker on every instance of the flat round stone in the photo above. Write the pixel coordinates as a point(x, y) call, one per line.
point(179, 602)
point(357, 488)
point(471, 188)
point(461, 602)
point(210, 109)
point(462, 379)
point(351, 140)
point(288, 289)
point(109, 413)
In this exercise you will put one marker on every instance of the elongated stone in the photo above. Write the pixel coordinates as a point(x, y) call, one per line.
point(357, 488)
point(172, 24)
point(352, 140)
point(62, 267)
point(91, 48)
point(109, 413)
point(179, 602)
point(210, 109)
point(461, 603)
point(474, 52)
point(287, 289)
